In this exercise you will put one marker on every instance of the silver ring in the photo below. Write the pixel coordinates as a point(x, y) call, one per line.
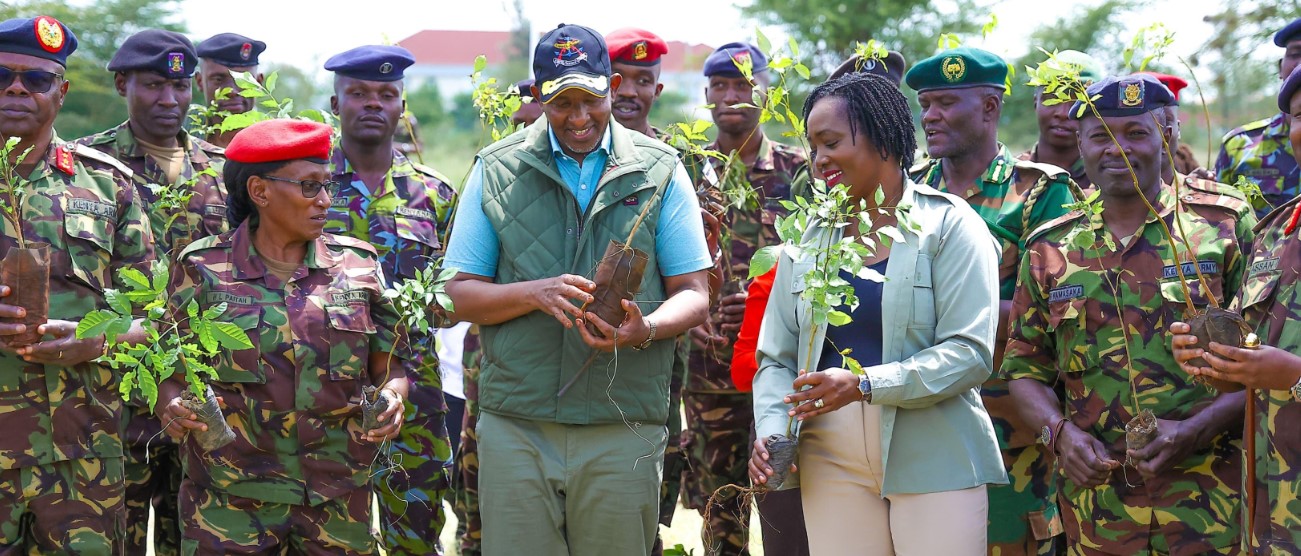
point(818, 403)
point(60, 355)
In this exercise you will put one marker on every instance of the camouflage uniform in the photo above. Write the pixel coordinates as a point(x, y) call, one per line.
point(1260, 152)
point(719, 417)
point(1269, 301)
point(293, 400)
point(465, 485)
point(61, 458)
point(1068, 328)
point(1076, 170)
point(403, 220)
point(153, 466)
point(1016, 196)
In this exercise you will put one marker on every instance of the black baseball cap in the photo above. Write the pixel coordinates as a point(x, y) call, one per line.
point(571, 56)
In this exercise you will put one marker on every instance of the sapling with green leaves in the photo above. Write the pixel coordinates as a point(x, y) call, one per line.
point(25, 268)
point(179, 342)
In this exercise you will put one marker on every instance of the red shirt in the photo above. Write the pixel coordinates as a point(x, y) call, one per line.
point(744, 361)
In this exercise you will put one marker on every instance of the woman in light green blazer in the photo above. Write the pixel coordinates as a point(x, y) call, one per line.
point(895, 460)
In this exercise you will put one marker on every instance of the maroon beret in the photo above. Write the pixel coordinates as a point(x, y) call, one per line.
point(638, 47)
point(282, 139)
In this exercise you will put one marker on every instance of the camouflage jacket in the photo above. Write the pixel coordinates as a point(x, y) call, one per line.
point(1068, 326)
point(293, 400)
point(84, 206)
point(1076, 170)
point(205, 212)
point(1260, 151)
point(1270, 303)
point(776, 176)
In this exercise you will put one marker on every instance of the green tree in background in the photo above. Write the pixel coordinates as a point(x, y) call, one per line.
point(92, 105)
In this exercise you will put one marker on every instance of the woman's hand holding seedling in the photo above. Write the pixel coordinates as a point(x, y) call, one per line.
point(759, 468)
point(1265, 367)
point(1084, 458)
point(634, 330)
point(836, 388)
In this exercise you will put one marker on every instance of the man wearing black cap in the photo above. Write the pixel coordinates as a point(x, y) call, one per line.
point(1260, 151)
point(220, 57)
point(572, 419)
point(718, 415)
point(61, 478)
point(1092, 306)
point(402, 208)
point(153, 70)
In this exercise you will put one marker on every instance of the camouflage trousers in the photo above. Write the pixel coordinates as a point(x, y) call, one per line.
point(411, 495)
point(465, 485)
point(1023, 517)
point(214, 522)
point(674, 460)
point(153, 479)
point(66, 507)
point(717, 449)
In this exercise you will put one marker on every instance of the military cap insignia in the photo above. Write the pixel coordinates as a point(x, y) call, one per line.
point(386, 68)
point(639, 51)
point(246, 51)
point(1131, 94)
point(869, 64)
point(568, 52)
point(176, 62)
point(954, 68)
point(50, 34)
point(63, 159)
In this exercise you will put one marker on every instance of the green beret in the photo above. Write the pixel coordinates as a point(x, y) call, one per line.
point(958, 68)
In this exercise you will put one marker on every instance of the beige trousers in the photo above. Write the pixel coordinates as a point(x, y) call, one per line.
point(840, 477)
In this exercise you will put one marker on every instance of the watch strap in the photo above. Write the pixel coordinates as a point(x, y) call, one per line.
point(649, 338)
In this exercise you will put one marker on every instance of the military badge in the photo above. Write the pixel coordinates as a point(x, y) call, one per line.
point(386, 68)
point(568, 52)
point(1132, 94)
point(954, 68)
point(176, 63)
point(63, 159)
point(246, 51)
point(50, 34)
point(868, 64)
point(639, 51)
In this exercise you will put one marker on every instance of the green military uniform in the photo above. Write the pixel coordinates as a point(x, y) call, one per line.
point(404, 219)
point(1076, 170)
point(1269, 301)
point(153, 466)
point(1014, 197)
point(719, 417)
point(296, 476)
point(1068, 327)
point(1260, 152)
point(61, 483)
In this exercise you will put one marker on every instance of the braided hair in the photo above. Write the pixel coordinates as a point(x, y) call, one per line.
point(236, 175)
point(875, 107)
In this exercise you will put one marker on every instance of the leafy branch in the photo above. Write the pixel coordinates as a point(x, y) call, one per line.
point(495, 106)
point(415, 298)
point(13, 188)
point(268, 106)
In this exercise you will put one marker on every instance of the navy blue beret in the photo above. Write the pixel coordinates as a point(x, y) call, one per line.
point(230, 49)
point(164, 52)
point(726, 58)
point(372, 62)
point(1288, 32)
point(41, 36)
point(1290, 87)
point(1130, 95)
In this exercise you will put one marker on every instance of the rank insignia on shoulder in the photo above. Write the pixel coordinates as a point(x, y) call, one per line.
point(63, 159)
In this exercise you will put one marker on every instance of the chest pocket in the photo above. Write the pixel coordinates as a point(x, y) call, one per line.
point(419, 243)
point(90, 247)
point(1257, 291)
point(350, 329)
point(243, 366)
point(1069, 328)
point(1173, 293)
point(923, 314)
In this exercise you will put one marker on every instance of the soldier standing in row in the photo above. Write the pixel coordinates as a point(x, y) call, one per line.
point(220, 58)
point(1058, 142)
point(178, 184)
point(61, 468)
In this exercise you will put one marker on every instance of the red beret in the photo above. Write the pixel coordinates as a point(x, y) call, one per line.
point(1175, 84)
point(281, 139)
point(638, 47)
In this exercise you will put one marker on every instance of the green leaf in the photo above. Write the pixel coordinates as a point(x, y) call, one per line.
point(803, 70)
point(271, 81)
point(231, 336)
point(117, 302)
point(94, 324)
point(445, 301)
point(837, 318)
point(764, 259)
point(480, 63)
point(134, 278)
point(762, 42)
point(203, 329)
point(211, 313)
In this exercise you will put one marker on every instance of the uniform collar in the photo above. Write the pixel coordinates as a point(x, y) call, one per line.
point(1278, 126)
point(248, 264)
point(340, 166)
point(999, 172)
point(128, 145)
point(765, 161)
point(557, 151)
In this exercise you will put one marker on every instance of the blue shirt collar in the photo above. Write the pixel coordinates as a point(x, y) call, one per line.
point(603, 148)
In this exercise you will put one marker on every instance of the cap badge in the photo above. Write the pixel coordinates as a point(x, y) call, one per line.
point(176, 62)
point(386, 68)
point(639, 51)
point(869, 64)
point(1132, 94)
point(568, 51)
point(246, 51)
point(954, 68)
point(743, 61)
point(50, 34)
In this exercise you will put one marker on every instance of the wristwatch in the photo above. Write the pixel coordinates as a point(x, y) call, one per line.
point(865, 388)
point(650, 338)
point(1296, 392)
point(1048, 435)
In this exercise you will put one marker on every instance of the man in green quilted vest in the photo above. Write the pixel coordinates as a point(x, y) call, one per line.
point(572, 421)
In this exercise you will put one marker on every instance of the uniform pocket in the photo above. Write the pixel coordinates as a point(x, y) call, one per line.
point(421, 245)
point(1173, 293)
point(90, 247)
point(350, 327)
point(1066, 323)
point(923, 315)
point(246, 365)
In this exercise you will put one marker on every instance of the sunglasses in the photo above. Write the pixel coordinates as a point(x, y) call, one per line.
point(35, 81)
point(311, 188)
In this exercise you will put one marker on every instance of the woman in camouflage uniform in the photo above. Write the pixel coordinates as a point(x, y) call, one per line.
point(295, 477)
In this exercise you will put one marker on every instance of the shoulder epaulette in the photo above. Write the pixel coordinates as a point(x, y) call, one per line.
point(1053, 224)
point(351, 243)
point(96, 155)
point(921, 165)
point(1214, 194)
point(210, 242)
point(208, 147)
point(1246, 128)
point(1043, 168)
point(428, 171)
point(106, 136)
point(1282, 211)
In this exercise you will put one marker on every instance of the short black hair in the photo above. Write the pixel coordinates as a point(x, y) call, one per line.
point(236, 175)
point(877, 108)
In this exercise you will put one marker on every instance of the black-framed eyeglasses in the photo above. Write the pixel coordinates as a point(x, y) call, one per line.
point(35, 81)
point(311, 188)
